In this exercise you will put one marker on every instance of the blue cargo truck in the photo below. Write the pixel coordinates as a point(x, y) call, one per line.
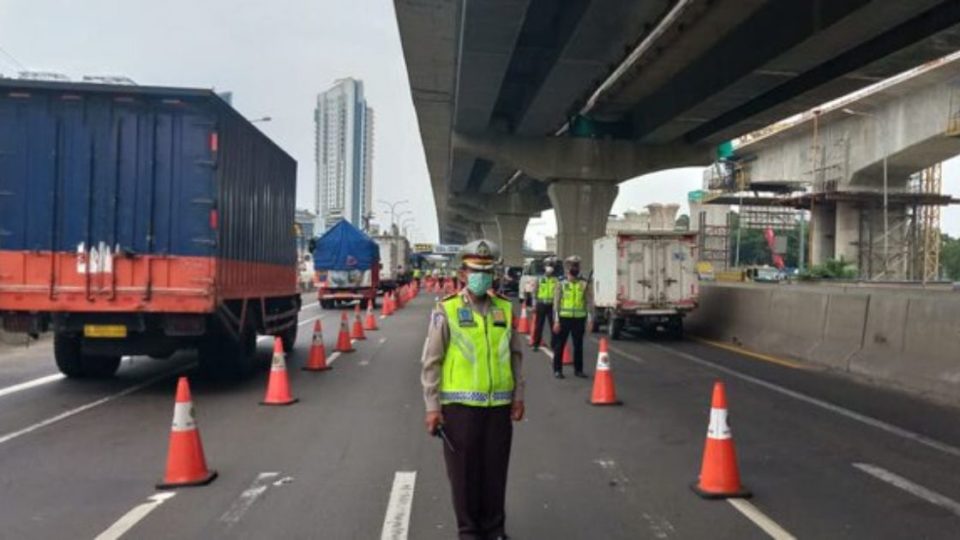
point(142, 220)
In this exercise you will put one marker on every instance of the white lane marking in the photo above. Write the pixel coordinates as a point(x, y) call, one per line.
point(310, 320)
point(383, 340)
point(31, 384)
point(304, 322)
point(333, 357)
point(862, 418)
point(396, 522)
point(247, 498)
point(310, 305)
point(73, 412)
point(761, 520)
point(622, 352)
point(914, 489)
point(134, 516)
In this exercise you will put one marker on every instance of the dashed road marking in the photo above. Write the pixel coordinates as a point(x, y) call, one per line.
point(246, 499)
point(761, 520)
point(853, 415)
point(93, 404)
point(914, 489)
point(396, 522)
point(134, 516)
point(31, 384)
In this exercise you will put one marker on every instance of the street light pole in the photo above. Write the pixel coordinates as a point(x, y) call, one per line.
point(393, 207)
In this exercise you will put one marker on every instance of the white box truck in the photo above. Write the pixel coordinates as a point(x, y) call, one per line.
point(394, 270)
point(644, 279)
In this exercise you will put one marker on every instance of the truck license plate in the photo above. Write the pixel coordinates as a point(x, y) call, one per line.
point(104, 331)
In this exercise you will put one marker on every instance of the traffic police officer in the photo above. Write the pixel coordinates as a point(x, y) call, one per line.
point(570, 303)
point(546, 290)
point(473, 387)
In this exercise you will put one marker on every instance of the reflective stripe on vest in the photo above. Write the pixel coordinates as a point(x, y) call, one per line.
point(573, 301)
point(476, 368)
point(546, 289)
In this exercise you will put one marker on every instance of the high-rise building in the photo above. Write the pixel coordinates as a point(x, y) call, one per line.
point(344, 155)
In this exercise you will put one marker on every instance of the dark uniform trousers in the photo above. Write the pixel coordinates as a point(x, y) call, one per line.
point(477, 468)
point(544, 317)
point(575, 326)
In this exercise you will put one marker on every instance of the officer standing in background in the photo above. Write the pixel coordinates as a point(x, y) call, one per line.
point(473, 388)
point(570, 306)
point(546, 291)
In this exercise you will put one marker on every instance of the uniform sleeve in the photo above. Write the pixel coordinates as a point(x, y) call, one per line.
point(516, 365)
point(434, 350)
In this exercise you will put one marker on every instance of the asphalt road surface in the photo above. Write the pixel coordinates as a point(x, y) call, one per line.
point(825, 457)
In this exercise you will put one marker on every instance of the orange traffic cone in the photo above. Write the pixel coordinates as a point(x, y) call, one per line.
point(370, 323)
point(523, 326)
point(278, 386)
point(357, 331)
point(385, 307)
point(719, 474)
point(343, 338)
point(317, 361)
point(186, 464)
point(567, 355)
point(604, 392)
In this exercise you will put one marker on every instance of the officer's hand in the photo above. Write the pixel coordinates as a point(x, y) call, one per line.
point(556, 328)
point(516, 411)
point(433, 420)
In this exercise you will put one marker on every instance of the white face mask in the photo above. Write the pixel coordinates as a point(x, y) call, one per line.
point(549, 270)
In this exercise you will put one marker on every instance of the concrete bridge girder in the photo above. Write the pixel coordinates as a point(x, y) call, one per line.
point(548, 158)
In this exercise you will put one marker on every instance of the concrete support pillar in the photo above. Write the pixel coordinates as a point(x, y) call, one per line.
point(847, 232)
point(490, 231)
point(512, 229)
point(822, 224)
point(582, 208)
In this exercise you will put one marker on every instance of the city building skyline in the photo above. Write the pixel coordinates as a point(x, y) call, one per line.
point(344, 129)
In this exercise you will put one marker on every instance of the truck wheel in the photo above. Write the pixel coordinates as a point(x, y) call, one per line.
point(326, 304)
point(614, 327)
point(289, 339)
point(224, 357)
point(66, 351)
point(101, 367)
point(676, 328)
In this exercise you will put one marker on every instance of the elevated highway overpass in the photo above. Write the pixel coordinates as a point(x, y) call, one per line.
point(525, 105)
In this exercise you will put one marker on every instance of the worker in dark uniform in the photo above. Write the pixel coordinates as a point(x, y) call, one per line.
point(473, 388)
point(570, 308)
point(545, 292)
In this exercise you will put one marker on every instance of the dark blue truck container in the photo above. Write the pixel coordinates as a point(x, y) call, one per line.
point(142, 220)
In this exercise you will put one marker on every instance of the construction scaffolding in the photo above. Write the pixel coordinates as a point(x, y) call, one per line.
point(928, 261)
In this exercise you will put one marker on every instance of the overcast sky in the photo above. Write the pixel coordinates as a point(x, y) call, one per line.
point(276, 56)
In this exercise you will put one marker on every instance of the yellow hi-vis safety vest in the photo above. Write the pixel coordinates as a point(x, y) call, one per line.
point(545, 290)
point(573, 299)
point(476, 368)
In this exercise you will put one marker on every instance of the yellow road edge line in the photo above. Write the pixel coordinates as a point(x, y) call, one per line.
point(750, 354)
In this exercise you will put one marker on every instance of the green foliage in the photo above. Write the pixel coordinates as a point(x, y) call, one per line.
point(831, 269)
point(950, 257)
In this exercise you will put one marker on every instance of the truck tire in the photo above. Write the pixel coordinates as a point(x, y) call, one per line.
point(74, 364)
point(101, 367)
point(66, 351)
point(289, 339)
point(614, 327)
point(326, 304)
point(222, 356)
point(675, 328)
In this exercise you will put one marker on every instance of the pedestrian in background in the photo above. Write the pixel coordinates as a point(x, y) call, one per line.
point(570, 308)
